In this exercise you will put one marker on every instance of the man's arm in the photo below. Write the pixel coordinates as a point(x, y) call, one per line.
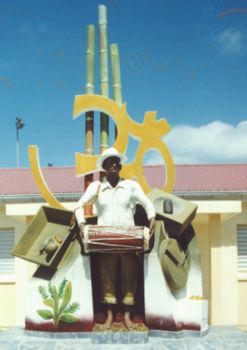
point(147, 205)
point(89, 195)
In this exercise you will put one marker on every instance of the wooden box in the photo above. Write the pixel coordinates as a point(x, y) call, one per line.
point(183, 212)
point(46, 237)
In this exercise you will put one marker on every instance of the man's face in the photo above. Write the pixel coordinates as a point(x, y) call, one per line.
point(112, 165)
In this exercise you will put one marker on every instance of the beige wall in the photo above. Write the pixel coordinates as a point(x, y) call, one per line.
point(7, 305)
point(217, 240)
point(229, 288)
point(12, 288)
point(201, 231)
point(231, 303)
point(241, 219)
point(222, 285)
point(7, 284)
point(242, 306)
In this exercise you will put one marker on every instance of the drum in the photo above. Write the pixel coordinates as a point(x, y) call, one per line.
point(113, 239)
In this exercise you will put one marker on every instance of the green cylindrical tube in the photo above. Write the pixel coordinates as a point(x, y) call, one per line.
point(103, 51)
point(89, 116)
point(90, 59)
point(116, 75)
point(104, 84)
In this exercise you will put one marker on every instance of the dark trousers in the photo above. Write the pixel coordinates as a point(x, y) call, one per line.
point(113, 264)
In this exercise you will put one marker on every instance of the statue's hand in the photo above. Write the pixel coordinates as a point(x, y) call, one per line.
point(152, 226)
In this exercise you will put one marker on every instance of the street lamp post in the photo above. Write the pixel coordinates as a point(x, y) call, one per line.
point(19, 123)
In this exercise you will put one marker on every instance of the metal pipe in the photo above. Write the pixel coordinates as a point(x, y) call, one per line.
point(19, 123)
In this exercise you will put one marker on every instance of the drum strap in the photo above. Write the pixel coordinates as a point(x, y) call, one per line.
point(96, 195)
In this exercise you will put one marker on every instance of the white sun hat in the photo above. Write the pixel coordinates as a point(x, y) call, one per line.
point(108, 153)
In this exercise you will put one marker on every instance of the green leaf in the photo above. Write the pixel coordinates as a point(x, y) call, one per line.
point(42, 292)
point(51, 290)
point(45, 314)
point(72, 308)
point(56, 300)
point(61, 288)
point(68, 318)
point(66, 297)
point(49, 302)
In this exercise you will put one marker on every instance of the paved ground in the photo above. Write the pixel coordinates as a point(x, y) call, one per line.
point(217, 338)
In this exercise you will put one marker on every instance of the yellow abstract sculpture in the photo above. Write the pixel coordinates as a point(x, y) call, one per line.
point(150, 134)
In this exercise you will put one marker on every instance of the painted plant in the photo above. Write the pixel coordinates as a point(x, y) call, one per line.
point(59, 302)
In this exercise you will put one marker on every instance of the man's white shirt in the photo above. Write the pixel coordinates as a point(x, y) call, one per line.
point(115, 205)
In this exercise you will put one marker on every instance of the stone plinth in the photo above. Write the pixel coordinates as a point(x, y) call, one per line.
point(216, 338)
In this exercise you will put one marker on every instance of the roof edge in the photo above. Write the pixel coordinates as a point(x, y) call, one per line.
point(38, 198)
point(71, 197)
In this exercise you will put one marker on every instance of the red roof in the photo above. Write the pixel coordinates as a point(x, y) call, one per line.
point(189, 178)
point(21, 181)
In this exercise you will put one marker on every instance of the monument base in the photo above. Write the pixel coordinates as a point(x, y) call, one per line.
point(215, 338)
point(119, 337)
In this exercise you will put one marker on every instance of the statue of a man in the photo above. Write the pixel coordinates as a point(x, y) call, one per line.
point(116, 199)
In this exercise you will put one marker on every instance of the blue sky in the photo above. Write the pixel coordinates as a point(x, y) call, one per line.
point(184, 59)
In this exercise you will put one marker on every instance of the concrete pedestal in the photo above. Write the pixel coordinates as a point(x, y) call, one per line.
point(216, 338)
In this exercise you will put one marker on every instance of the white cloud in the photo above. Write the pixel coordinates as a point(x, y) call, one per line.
point(231, 41)
point(216, 142)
